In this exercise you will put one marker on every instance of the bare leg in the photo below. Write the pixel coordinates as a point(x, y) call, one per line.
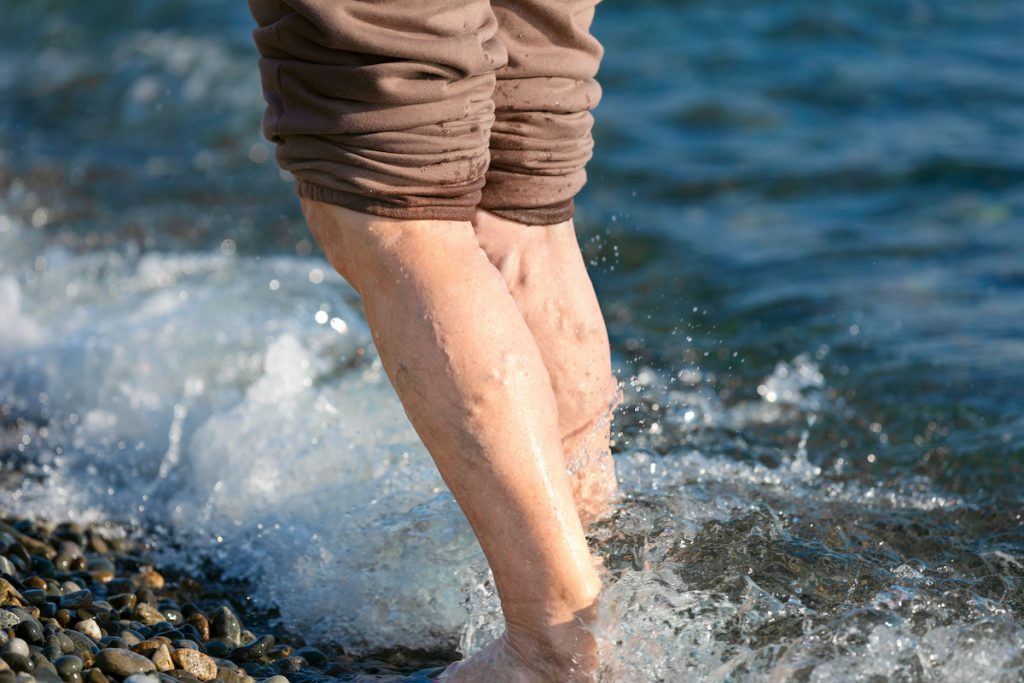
point(474, 386)
point(544, 270)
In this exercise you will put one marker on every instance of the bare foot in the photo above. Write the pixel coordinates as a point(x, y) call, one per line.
point(574, 660)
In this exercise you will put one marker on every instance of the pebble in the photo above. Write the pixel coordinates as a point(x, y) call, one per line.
point(31, 630)
point(90, 628)
point(77, 600)
point(81, 643)
point(68, 665)
point(225, 626)
point(148, 614)
point(123, 663)
point(312, 655)
point(196, 663)
point(161, 657)
point(141, 678)
point(17, 662)
point(33, 596)
point(122, 600)
point(96, 676)
point(75, 607)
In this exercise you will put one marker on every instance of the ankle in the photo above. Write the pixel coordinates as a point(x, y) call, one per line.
point(562, 651)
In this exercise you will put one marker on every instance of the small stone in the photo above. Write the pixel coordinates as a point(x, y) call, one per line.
point(130, 637)
point(17, 662)
point(277, 679)
point(8, 593)
point(67, 646)
point(191, 632)
point(24, 678)
point(280, 650)
point(34, 596)
point(200, 624)
point(226, 627)
point(90, 628)
point(196, 663)
point(8, 619)
point(42, 668)
point(162, 658)
point(141, 678)
point(147, 614)
point(150, 578)
point(122, 600)
point(101, 569)
point(17, 646)
point(123, 663)
point(257, 649)
point(63, 617)
point(77, 600)
point(31, 630)
point(229, 672)
point(218, 648)
point(146, 595)
point(290, 665)
point(6, 566)
point(312, 655)
point(184, 676)
point(68, 665)
point(96, 676)
point(82, 643)
point(186, 643)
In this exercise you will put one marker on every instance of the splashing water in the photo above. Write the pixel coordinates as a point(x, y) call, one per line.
point(236, 403)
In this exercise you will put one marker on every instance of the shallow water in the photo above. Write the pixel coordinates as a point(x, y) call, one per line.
point(806, 225)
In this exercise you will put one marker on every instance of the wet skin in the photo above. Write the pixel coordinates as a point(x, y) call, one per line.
point(493, 341)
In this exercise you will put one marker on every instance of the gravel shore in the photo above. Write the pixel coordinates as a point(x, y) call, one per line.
point(86, 605)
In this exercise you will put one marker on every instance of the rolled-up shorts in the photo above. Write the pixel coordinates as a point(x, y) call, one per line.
point(430, 109)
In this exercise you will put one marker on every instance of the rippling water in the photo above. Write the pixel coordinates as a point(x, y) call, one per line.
point(805, 221)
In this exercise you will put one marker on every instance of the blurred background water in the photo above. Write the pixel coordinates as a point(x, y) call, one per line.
point(805, 221)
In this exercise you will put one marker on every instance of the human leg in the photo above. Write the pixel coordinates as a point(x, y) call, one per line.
point(473, 383)
point(540, 143)
point(544, 270)
point(402, 141)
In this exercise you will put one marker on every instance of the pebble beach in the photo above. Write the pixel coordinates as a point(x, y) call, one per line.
point(84, 605)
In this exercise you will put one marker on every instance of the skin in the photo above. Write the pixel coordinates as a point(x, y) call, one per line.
point(544, 271)
point(489, 361)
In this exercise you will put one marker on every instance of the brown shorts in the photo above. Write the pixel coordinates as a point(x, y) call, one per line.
point(428, 109)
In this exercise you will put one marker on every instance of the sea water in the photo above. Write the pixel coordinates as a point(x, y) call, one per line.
point(804, 222)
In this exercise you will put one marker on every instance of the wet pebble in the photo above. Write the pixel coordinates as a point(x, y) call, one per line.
point(31, 630)
point(68, 665)
point(196, 663)
point(76, 600)
point(90, 628)
point(226, 627)
point(123, 663)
